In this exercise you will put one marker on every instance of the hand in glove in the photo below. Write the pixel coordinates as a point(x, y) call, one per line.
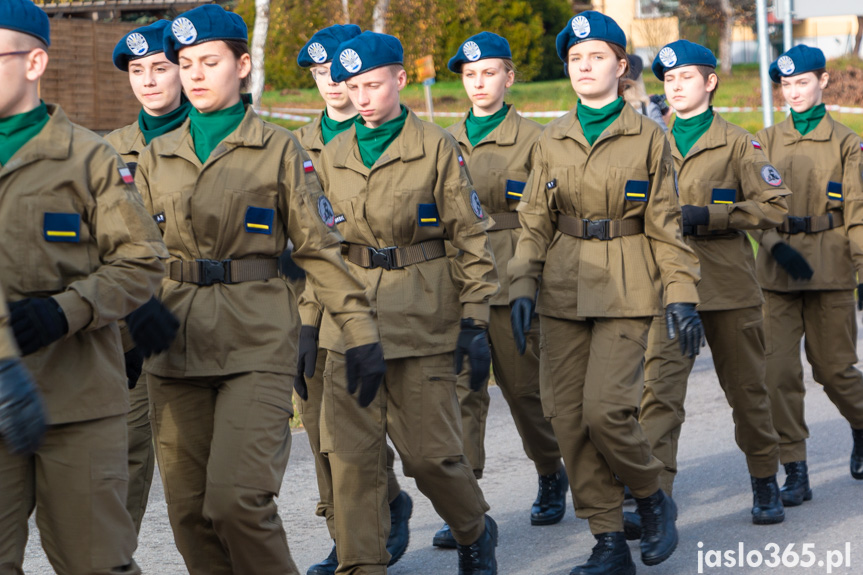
point(683, 322)
point(153, 327)
point(520, 317)
point(134, 366)
point(791, 261)
point(366, 368)
point(289, 268)
point(473, 343)
point(307, 359)
point(692, 217)
point(22, 415)
point(37, 322)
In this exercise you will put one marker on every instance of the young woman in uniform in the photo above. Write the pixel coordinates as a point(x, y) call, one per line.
point(601, 226)
point(228, 190)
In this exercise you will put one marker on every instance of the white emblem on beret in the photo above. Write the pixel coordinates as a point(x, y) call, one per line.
point(184, 31)
point(351, 61)
point(318, 53)
point(475, 204)
point(137, 44)
point(786, 65)
point(580, 27)
point(471, 51)
point(771, 176)
point(667, 57)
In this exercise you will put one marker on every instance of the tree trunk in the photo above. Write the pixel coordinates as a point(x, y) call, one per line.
point(859, 38)
point(259, 41)
point(346, 12)
point(726, 37)
point(379, 16)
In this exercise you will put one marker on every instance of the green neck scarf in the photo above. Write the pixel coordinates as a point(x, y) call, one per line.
point(17, 130)
point(208, 129)
point(155, 126)
point(594, 120)
point(480, 127)
point(373, 141)
point(686, 131)
point(331, 128)
point(807, 121)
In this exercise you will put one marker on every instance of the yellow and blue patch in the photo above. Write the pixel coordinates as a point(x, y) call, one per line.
point(427, 215)
point(636, 190)
point(61, 227)
point(723, 196)
point(834, 192)
point(259, 220)
point(514, 189)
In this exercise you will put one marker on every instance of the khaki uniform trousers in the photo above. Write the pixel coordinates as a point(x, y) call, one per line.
point(736, 339)
point(417, 405)
point(142, 456)
point(518, 379)
point(76, 481)
point(591, 376)
point(829, 321)
point(223, 444)
point(310, 414)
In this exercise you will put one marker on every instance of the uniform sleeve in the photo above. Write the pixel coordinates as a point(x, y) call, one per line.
point(852, 183)
point(465, 221)
point(8, 347)
point(767, 238)
point(311, 228)
point(764, 192)
point(129, 244)
point(538, 223)
point(677, 263)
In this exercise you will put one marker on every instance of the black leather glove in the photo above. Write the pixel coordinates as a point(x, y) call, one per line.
point(37, 322)
point(153, 327)
point(307, 359)
point(22, 415)
point(859, 297)
point(289, 267)
point(520, 317)
point(366, 368)
point(791, 261)
point(134, 366)
point(692, 217)
point(473, 343)
point(684, 324)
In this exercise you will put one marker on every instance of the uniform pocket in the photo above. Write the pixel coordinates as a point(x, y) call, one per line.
point(267, 443)
point(441, 415)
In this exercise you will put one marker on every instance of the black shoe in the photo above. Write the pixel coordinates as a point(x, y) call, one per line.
point(443, 538)
point(658, 531)
point(796, 489)
point(631, 526)
point(767, 507)
point(478, 558)
point(610, 556)
point(550, 505)
point(400, 512)
point(857, 454)
point(325, 567)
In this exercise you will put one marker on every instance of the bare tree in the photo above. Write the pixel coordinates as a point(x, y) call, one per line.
point(346, 11)
point(379, 16)
point(726, 36)
point(859, 38)
point(259, 41)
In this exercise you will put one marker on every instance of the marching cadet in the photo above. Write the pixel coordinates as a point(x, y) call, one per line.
point(497, 143)
point(156, 84)
point(726, 186)
point(399, 189)
point(600, 225)
point(79, 252)
point(807, 265)
point(228, 190)
point(338, 115)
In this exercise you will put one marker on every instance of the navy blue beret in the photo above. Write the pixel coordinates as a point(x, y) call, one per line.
point(321, 47)
point(203, 24)
point(589, 25)
point(140, 43)
point(479, 47)
point(679, 54)
point(25, 17)
point(365, 52)
point(798, 60)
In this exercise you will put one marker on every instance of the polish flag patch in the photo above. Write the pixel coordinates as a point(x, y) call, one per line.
point(756, 145)
point(308, 167)
point(460, 161)
point(861, 146)
point(126, 175)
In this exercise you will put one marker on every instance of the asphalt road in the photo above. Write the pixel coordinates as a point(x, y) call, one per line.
point(712, 492)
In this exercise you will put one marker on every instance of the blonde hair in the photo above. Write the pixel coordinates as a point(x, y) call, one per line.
point(634, 93)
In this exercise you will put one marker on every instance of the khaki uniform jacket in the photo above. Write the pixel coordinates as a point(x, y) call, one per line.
point(203, 212)
point(628, 173)
point(730, 175)
point(312, 139)
point(827, 159)
point(499, 166)
point(75, 230)
point(8, 346)
point(418, 307)
point(128, 141)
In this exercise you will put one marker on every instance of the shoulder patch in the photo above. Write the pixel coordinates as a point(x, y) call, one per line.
point(461, 160)
point(325, 210)
point(308, 167)
point(771, 176)
point(126, 174)
point(475, 204)
point(756, 144)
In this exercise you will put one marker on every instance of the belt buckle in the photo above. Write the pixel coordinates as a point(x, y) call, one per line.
point(381, 257)
point(596, 229)
point(213, 271)
point(798, 225)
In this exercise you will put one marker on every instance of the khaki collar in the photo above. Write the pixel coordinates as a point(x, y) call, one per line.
point(53, 142)
point(822, 132)
point(505, 134)
point(313, 139)
point(249, 134)
point(407, 146)
point(628, 123)
point(716, 136)
point(131, 139)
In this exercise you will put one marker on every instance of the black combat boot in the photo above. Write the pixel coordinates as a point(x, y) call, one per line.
point(444, 539)
point(610, 556)
point(766, 505)
point(478, 558)
point(400, 512)
point(857, 454)
point(658, 531)
point(325, 567)
point(550, 505)
point(796, 489)
point(631, 526)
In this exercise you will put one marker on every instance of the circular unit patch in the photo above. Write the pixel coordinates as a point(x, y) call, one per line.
point(184, 31)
